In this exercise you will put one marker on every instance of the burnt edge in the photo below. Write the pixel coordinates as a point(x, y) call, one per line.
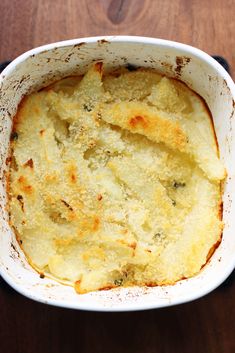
point(181, 62)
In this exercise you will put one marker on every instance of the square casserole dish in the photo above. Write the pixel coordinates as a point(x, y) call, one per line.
point(41, 66)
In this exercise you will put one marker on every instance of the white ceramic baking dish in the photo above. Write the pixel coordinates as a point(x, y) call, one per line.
point(198, 70)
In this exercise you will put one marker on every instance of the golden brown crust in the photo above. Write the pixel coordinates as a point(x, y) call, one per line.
point(139, 118)
point(103, 196)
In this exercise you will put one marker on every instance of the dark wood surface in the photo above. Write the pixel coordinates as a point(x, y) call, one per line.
point(204, 326)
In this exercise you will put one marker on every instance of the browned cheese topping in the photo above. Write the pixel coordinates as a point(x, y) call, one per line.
point(115, 180)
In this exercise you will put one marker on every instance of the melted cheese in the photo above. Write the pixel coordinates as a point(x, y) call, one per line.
point(115, 180)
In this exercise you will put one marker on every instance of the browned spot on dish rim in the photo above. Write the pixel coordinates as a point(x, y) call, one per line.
point(181, 61)
point(103, 41)
point(79, 45)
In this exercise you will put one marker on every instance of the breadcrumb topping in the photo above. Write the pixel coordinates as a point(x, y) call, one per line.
point(115, 180)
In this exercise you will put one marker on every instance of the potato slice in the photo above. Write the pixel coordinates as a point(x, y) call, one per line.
point(139, 118)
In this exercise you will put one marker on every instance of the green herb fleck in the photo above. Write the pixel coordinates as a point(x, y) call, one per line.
point(173, 202)
point(87, 107)
point(178, 184)
point(118, 282)
point(157, 235)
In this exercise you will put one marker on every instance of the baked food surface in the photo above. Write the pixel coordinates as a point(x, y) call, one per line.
point(115, 180)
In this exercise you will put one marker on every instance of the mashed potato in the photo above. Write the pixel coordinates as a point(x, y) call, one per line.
point(115, 180)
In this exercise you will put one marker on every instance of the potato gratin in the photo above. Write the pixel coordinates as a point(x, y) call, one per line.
point(115, 180)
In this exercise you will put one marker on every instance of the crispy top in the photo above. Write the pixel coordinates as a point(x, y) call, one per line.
point(115, 180)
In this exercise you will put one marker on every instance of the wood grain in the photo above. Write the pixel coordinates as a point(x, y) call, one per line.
point(206, 24)
point(204, 326)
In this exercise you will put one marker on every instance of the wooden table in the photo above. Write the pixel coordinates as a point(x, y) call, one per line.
point(204, 326)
